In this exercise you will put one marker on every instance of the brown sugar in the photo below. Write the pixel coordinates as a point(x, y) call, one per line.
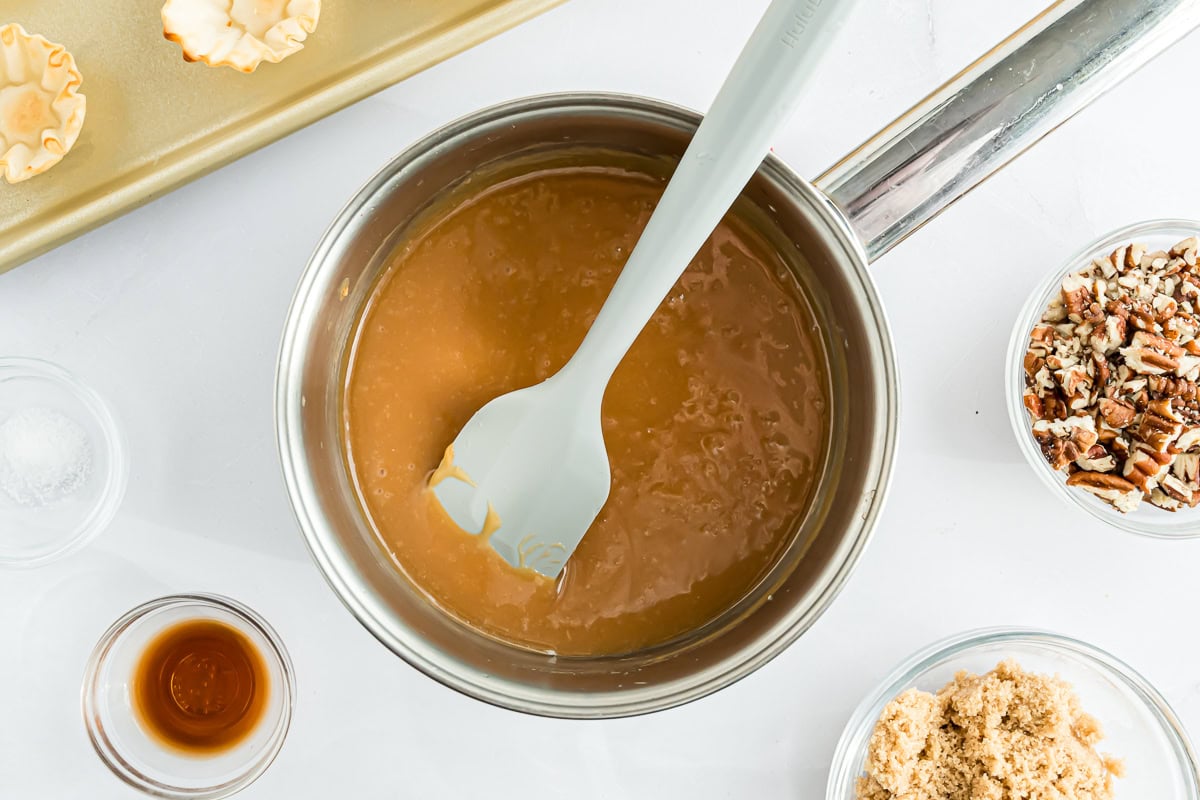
point(1005, 735)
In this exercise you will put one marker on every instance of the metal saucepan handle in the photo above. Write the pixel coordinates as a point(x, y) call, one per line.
point(993, 110)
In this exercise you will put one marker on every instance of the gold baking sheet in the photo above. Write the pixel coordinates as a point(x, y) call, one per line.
point(155, 122)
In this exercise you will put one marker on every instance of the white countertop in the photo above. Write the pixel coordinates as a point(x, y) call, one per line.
point(174, 314)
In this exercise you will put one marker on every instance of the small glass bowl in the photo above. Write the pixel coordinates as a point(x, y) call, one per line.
point(132, 753)
point(1139, 727)
point(1147, 519)
point(35, 535)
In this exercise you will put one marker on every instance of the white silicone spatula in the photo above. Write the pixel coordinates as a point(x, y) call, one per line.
point(533, 461)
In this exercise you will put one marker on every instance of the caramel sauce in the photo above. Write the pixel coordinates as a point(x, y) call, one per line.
point(716, 422)
point(200, 687)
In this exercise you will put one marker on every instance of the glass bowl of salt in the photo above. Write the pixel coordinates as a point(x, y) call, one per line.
point(63, 466)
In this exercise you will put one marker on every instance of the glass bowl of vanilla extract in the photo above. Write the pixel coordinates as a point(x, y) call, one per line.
point(189, 696)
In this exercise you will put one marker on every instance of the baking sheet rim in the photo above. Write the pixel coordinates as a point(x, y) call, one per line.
point(242, 140)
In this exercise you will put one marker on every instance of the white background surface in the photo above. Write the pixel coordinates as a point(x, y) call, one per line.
point(174, 314)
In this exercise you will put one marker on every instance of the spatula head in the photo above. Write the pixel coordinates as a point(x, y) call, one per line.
point(537, 461)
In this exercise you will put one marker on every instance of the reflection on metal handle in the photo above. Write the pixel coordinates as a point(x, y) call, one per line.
point(995, 108)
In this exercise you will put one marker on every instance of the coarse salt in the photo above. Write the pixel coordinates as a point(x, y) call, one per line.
point(45, 457)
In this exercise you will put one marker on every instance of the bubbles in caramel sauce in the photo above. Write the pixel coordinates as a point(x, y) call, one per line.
point(716, 422)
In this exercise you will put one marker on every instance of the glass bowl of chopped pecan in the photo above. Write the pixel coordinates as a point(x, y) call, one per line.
point(1103, 372)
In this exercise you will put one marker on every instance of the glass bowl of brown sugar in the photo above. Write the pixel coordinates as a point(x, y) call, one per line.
point(1121, 718)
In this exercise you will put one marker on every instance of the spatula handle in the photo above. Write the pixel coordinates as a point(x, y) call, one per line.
point(761, 92)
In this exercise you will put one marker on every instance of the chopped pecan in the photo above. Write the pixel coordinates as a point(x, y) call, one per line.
point(1054, 451)
point(1186, 250)
point(1154, 261)
point(1097, 459)
point(1034, 405)
point(1176, 488)
point(1064, 441)
point(1118, 308)
point(1189, 287)
point(1100, 480)
point(1135, 387)
point(1112, 376)
point(1084, 436)
point(1116, 490)
point(1187, 467)
point(1164, 307)
point(1166, 386)
point(1041, 340)
point(1147, 361)
point(1121, 258)
point(1160, 425)
point(1073, 380)
point(1141, 316)
point(1108, 337)
point(1179, 329)
point(1117, 413)
point(1105, 267)
point(1107, 436)
point(1133, 255)
point(1058, 362)
point(1043, 380)
point(1143, 468)
point(1188, 440)
point(1053, 408)
point(1077, 297)
point(1102, 371)
point(1157, 343)
point(1163, 500)
point(1189, 367)
point(1055, 312)
point(1033, 363)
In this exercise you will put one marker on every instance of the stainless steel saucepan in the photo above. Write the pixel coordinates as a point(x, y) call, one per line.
point(833, 227)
